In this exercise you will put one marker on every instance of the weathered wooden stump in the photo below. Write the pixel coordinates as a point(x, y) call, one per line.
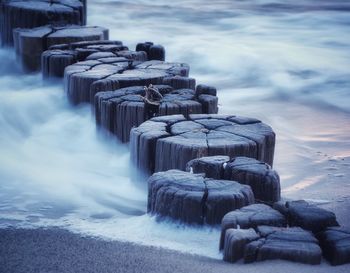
point(58, 57)
point(106, 109)
point(212, 166)
point(292, 244)
point(144, 46)
point(335, 244)
point(169, 142)
point(251, 216)
point(205, 90)
point(179, 82)
point(154, 52)
point(206, 95)
point(307, 216)
point(264, 181)
point(120, 110)
point(31, 43)
point(94, 46)
point(31, 14)
point(79, 77)
point(191, 198)
point(236, 241)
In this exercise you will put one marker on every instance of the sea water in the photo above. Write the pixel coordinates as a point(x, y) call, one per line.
point(284, 62)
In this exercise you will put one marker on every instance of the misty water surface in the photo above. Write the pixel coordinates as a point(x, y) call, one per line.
point(285, 63)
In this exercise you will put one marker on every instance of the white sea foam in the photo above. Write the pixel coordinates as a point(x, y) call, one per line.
point(285, 64)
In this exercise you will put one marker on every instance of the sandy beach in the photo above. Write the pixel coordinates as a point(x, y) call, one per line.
point(57, 250)
point(69, 202)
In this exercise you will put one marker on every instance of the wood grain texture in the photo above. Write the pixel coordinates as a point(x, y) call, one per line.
point(307, 216)
point(195, 136)
point(292, 244)
point(31, 14)
point(31, 43)
point(193, 199)
point(251, 216)
point(58, 57)
point(130, 70)
point(335, 244)
point(264, 181)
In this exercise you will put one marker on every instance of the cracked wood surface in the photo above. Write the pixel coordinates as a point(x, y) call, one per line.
point(30, 14)
point(193, 199)
point(169, 142)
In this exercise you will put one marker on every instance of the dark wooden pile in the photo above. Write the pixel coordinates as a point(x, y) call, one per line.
point(308, 216)
point(31, 43)
point(176, 126)
point(169, 142)
point(289, 231)
point(128, 68)
point(35, 13)
point(335, 243)
point(154, 52)
point(251, 217)
point(58, 57)
point(264, 181)
point(120, 110)
point(194, 199)
point(271, 243)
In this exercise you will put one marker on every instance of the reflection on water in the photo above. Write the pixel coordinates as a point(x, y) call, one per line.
point(284, 62)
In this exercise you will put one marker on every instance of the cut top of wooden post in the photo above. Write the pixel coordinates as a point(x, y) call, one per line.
point(31, 43)
point(264, 181)
point(30, 14)
point(133, 70)
point(192, 198)
point(169, 142)
point(58, 57)
point(51, 35)
point(120, 110)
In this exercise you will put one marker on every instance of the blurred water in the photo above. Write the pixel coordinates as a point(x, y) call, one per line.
point(286, 63)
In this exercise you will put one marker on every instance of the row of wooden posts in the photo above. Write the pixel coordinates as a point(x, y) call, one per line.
point(204, 167)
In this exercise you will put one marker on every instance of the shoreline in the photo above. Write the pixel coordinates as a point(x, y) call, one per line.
point(94, 192)
point(58, 250)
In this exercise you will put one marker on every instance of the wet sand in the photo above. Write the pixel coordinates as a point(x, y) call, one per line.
point(57, 250)
point(285, 66)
